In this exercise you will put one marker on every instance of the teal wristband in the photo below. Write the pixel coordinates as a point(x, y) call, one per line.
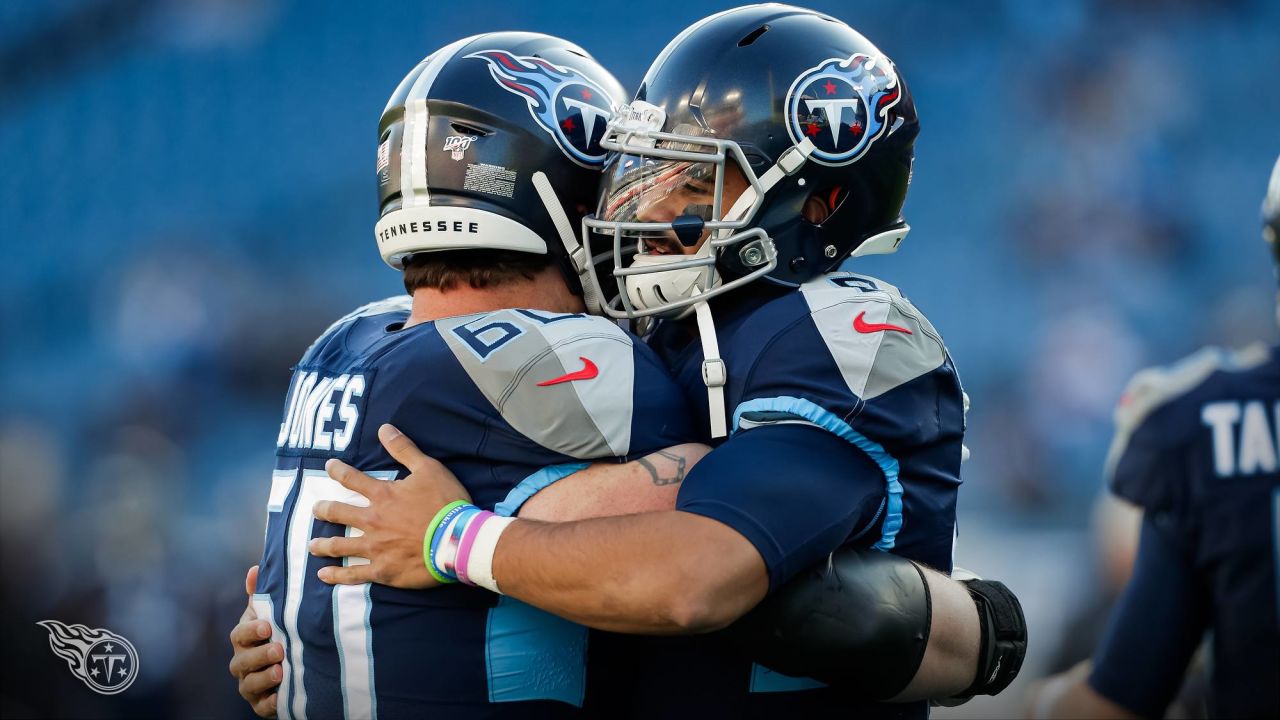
point(429, 542)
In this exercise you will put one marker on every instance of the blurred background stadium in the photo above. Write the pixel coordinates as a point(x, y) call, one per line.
point(187, 200)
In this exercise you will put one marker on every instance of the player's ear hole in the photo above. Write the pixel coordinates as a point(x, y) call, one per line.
point(815, 210)
point(819, 206)
point(470, 129)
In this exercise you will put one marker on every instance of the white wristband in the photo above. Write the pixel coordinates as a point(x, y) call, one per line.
point(480, 559)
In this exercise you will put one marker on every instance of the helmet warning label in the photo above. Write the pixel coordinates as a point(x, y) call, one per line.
point(491, 179)
point(384, 162)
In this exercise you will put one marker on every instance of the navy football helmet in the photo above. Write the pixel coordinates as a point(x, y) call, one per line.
point(493, 142)
point(743, 123)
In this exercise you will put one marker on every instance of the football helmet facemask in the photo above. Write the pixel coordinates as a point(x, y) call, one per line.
point(745, 118)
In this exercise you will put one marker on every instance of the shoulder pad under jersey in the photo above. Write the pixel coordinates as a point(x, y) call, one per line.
point(565, 381)
point(395, 304)
point(876, 336)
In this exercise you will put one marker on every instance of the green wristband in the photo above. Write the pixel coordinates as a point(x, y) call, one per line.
point(427, 538)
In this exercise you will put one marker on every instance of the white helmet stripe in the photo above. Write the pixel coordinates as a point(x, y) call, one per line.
point(413, 176)
point(413, 149)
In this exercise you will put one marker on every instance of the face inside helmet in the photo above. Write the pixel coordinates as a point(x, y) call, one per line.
point(670, 201)
point(678, 198)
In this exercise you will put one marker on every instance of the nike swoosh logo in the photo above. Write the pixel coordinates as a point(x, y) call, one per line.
point(863, 326)
point(588, 371)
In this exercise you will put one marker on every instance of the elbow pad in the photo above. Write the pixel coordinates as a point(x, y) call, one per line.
point(860, 621)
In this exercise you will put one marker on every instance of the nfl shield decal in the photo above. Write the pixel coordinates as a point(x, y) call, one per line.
point(571, 108)
point(841, 106)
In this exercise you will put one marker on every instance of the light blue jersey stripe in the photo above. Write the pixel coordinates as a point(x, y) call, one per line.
point(828, 421)
point(529, 486)
point(530, 654)
point(764, 680)
point(534, 655)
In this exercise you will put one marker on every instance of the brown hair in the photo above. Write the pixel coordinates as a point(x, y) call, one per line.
point(477, 268)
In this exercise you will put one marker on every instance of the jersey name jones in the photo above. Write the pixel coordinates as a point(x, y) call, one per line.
point(323, 411)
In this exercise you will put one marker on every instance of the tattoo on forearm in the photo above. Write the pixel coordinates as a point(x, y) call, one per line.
point(672, 476)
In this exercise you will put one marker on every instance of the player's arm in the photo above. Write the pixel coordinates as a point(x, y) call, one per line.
point(646, 484)
point(876, 601)
point(685, 571)
point(1153, 633)
point(889, 629)
point(1160, 617)
point(753, 512)
point(1068, 695)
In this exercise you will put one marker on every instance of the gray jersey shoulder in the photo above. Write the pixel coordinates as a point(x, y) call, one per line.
point(564, 381)
point(877, 338)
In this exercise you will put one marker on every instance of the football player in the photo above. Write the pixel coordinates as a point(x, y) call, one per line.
point(1196, 449)
point(501, 394)
point(484, 365)
point(846, 412)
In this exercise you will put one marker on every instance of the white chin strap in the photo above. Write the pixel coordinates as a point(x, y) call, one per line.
point(578, 255)
point(652, 289)
point(656, 288)
point(714, 374)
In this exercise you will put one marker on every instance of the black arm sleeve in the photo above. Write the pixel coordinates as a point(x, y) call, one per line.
point(1154, 629)
point(859, 621)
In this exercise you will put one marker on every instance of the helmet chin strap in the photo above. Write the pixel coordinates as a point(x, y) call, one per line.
point(713, 369)
point(578, 256)
point(789, 162)
point(714, 375)
point(692, 282)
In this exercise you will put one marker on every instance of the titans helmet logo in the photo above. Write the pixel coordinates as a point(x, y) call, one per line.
point(841, 106)
point(105, 662)
point(571, 108)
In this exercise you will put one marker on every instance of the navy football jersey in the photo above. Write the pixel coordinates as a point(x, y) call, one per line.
point(848, 354)
point(511, 401)
point(1196, 447)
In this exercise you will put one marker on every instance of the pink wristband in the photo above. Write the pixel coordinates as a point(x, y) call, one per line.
point(464, 547)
